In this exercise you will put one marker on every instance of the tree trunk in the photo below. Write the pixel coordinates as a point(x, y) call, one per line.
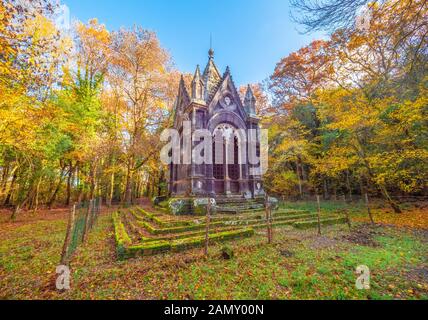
point(80, 194)
point(92, 175)
point(139, 187)
point(362, 191)
point(391, 202)
point(70, 226)
point(30, 196)
point(325, 187)
point(9, 193)
point(18, 208)
point(4, 180)
point(111, 193)
point(128, 184)
point(36, 197)
point(348, 184)
point(299, 180)
point(69, 180)
point(58, 187)
point(366, 197)
point(161, 179)
point(304, 174)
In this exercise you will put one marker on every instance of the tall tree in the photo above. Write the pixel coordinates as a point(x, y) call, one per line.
point(138, 71)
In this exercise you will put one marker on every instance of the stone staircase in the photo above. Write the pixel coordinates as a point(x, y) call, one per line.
point(142, 232)
point(238, 205)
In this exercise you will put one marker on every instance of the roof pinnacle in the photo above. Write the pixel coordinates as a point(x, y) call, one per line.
point(197, 75)
point(249, 94)
point(211, 53)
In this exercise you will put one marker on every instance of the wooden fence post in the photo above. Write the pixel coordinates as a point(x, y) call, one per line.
point(268, 219)
point(98, 209)
point(87, 220)
point(366, 196)
point(270, 223)
point(207, 227)
point(70, 227)
point(319, 214)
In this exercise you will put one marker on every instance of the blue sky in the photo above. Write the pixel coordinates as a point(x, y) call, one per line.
point(250, 36)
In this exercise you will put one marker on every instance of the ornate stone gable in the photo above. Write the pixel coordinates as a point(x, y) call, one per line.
point(226, 98)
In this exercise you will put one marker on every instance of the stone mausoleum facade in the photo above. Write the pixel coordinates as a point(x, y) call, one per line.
point(213, 103)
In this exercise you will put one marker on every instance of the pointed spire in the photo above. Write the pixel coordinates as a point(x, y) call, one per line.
point(182, 85)
point(197, 75)
point(182, 91)
point(227, 72)
point(211, 51)
point(250, 101)
point(249, 95)
point(197, 85)
point(211, 77)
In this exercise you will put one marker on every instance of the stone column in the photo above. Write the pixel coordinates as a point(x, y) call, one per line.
point(241, 169)
point(226, 169)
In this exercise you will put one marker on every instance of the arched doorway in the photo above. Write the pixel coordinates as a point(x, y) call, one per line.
point(227, 171)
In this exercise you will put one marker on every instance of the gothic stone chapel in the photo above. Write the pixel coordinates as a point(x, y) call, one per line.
point(214, 104)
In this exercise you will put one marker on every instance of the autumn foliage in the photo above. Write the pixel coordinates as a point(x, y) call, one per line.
point(354, 109)
point(81, 110)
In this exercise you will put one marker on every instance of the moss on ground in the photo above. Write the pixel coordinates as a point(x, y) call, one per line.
point(299, 265)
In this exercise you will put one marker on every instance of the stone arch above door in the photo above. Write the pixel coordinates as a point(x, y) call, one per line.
point(228, 118)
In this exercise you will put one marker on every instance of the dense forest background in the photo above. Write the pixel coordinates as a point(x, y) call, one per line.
point(81, 110)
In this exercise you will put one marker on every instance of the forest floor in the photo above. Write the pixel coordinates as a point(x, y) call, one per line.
point(298, 265)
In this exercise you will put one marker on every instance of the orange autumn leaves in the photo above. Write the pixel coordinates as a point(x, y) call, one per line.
point(297, 76)
point(359, 99)
point(412, 218)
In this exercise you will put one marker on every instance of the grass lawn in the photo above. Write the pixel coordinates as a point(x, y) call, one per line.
point(299, 265)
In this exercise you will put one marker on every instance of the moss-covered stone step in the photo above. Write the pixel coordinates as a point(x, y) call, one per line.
point(151, 248)
point(314, 223)
point(235, 224)
point(155, 231)
point(161, 221)
point(262, 222)
point(225, 222)
point(193, 234)
point(240, 207)
point(261, 219)
point(121, 237)
point(221, 236)
point(238, 200)
point(290, 216)
point(147, 216)
point(178, 236)
point(129, 221)
point(282, 217)
point(309, 222)
point(254, 208)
